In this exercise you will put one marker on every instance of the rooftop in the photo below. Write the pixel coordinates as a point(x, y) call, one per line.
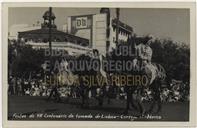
point(122, 25)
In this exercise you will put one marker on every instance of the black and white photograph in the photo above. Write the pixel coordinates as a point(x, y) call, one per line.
point(98, 64)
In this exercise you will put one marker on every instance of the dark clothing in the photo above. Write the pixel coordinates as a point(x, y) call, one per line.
point(54, 92)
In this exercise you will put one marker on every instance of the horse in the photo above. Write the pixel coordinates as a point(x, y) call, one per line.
point(156, 75)
point(156, 88)
point(88, 71)
point(155, 78)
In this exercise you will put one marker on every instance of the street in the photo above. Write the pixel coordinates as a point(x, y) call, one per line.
point(23, 107)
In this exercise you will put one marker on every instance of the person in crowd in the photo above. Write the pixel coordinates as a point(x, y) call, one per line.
point(54, 92)
point(36, 91)
point(19, 87)
point(15, 85)
point(11, 86)
point(23, 87)
point(32, 89)
point(27, 92)
point(165, 94)
point(44, 90)
point(73, 91)
point(122, 92)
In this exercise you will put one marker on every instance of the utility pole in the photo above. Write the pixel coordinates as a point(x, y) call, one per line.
point(50, 13)
point(50, 48)
point(117, 24)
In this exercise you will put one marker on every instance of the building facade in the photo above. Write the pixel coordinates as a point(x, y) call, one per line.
point(99, 29)
point(39, 38)
point(94, 31)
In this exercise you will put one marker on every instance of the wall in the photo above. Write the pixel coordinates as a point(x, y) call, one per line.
point(99, 32)
point(81, 26)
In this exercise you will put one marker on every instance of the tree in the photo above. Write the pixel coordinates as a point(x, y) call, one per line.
point(175, 57)
point(27, 60)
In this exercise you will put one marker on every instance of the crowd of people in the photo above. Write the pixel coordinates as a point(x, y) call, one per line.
point(176, 91)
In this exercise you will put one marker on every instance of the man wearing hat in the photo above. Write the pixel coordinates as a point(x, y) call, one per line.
point(144, 52)
point(144, 56)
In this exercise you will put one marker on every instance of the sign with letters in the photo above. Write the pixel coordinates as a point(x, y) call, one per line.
point(81, 22)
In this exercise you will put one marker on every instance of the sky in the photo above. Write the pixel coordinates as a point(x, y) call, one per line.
point(162, 23)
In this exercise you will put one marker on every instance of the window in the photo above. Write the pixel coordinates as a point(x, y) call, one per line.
point(45, 40)
point(114, 39)
point(114, 29)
